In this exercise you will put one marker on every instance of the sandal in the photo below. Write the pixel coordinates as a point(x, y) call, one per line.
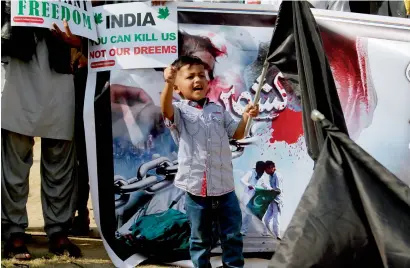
point(15, 247)
point(81, 226)
point(59, 244)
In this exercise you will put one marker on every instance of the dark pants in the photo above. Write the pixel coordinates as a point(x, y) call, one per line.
point(58, 182)
point(80, 81)
point(225, 212)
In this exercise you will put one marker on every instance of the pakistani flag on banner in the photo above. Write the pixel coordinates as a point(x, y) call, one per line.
point(354, 212)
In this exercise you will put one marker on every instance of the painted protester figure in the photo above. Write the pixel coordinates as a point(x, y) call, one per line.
point(274, 182)
point(37, 101)
point(250, 180)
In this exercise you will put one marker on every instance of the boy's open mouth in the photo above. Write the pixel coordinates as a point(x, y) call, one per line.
point(198, 88)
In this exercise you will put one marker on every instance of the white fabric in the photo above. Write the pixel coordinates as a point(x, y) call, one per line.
point(271, 219)
point(36, 101)
point(249, 179)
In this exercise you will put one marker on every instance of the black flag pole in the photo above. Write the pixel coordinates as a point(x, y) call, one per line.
point(266, 65)
point(257, 93)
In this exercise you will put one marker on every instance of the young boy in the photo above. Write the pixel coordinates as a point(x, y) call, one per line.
point(202, 130)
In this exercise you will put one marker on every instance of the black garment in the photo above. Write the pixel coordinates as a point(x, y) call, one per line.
point(354, 213)
point(80, 81)
point(297, 51)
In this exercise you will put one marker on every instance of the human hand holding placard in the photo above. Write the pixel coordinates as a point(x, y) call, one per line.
point(67, 36)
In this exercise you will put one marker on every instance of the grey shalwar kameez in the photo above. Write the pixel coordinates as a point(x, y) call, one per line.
point(37, 102)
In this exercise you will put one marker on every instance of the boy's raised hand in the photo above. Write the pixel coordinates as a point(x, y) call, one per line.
point(169, 74)
point(252, 109)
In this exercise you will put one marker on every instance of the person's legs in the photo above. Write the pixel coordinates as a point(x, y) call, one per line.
point(58, 192)
point(271, 218)
point(81, 224)
point(266, 218)
point(246, 218)
point(199, 212)
point(16, 161)
point(275, 219)
point(230, 222)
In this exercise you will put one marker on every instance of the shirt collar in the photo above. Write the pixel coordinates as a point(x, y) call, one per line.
point(198, 104)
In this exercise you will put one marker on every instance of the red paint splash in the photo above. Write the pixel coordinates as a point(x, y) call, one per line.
point(224, 51)
point(216, 87)
point(287, 127)
point(224, 84)
point(347, 58)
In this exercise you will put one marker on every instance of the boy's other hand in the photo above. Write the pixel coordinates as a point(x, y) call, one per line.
point(169, 74)
point(252, 110)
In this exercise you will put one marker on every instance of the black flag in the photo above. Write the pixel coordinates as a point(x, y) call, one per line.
point(297, 51)
point(354, 213)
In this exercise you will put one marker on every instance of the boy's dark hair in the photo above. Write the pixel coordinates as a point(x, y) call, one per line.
point(269, 163)
point(188, 60)
point(260, 165)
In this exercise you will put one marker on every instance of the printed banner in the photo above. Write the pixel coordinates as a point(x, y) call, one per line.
point(133, 158)
point(43, 14)
point(134, 35)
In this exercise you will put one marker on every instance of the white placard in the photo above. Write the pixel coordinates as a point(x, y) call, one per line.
point(43, 14)
point(134, 35)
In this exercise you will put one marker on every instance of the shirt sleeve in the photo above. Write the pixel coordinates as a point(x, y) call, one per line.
point(245, 179)
point(230, 124)
point(177, 118)
point(279, 182)
point(175, 126)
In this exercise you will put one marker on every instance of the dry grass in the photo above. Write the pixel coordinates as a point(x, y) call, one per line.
point(94, 255)
point(66, 262)
point(63, 261)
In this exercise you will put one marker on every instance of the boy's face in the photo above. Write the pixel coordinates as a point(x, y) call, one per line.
point(191, 82)
point(270, 169)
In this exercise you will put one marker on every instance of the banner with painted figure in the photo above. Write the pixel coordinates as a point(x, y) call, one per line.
point(37, 13)
point(133, 158)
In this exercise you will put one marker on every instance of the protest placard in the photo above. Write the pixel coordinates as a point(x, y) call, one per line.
point(134, 35)
point(43, 14)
